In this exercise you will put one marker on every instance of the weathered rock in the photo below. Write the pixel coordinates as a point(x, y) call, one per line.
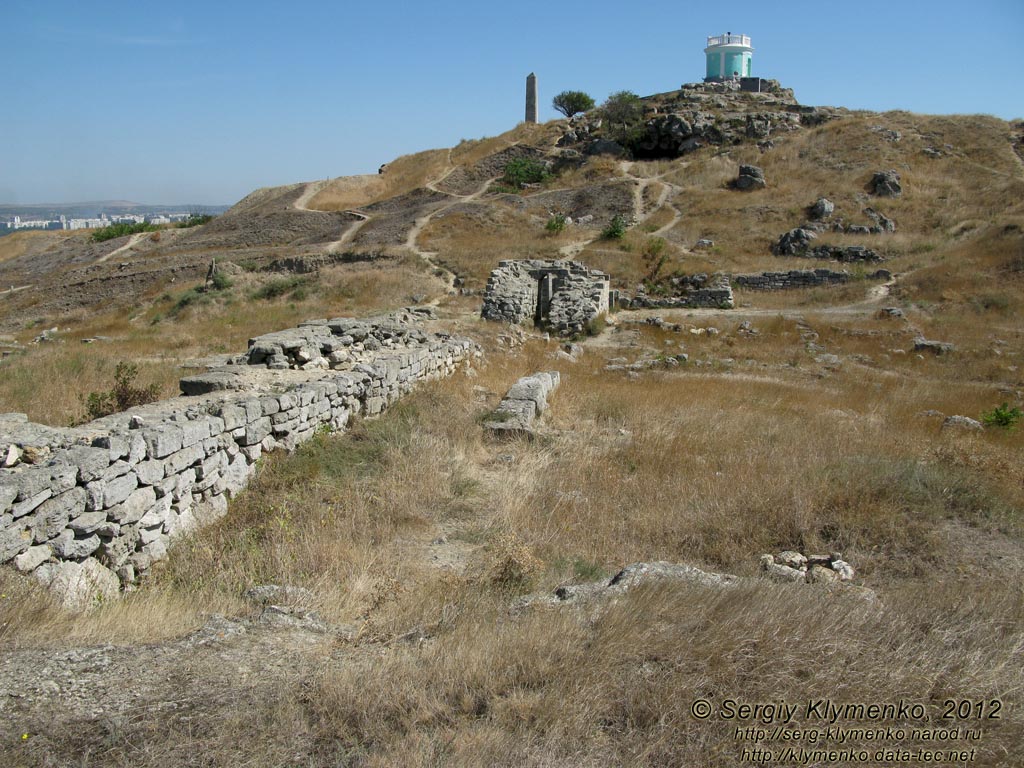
point(922, 344)
point(750, 177)
point(605, 147)
point(782, 573)
point(821, 574)
point(961, 422)
point(793, 243)
point(886, 184)
point(639, 574)
point(32, 558)
point(67, 547)
point(525, 401)
point(843, 569)
point(822, 208)
point(791, 559)
point(79, 586)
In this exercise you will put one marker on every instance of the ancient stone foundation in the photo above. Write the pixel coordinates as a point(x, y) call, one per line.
point(79, 505)
point(692, 291)
point(800, 278)
point(562, 296)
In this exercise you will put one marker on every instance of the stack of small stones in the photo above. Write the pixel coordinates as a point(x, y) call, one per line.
point(813, 569)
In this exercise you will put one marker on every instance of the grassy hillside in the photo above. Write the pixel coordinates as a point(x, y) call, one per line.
point(427, 633)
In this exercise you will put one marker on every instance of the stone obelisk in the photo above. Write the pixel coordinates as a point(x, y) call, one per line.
point(531, 98)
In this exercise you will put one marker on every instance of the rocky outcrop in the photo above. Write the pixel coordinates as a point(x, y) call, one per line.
point(563, 296)
point(750, 177)
point(886, 184)
point(922, 344)
point(110, 496)
point(822, 208)
point(523, 404)
point(800, 278)
point(792, 566)
point(797, 242)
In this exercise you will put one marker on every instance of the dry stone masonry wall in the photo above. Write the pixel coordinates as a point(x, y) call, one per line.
point(800, 278)
point(88, 508)
point(688, 291)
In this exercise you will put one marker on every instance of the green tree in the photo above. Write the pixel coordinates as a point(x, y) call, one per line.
point(571, 103)
point(623, 111)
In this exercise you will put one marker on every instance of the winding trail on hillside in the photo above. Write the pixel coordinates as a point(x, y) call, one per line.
point(312, 188)
point(573, 249)
point(131, 242)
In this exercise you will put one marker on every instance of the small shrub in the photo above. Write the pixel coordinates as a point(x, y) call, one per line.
point(616, 228)
point(556, 224)
point(187, 299)
point(293, 286)
point(220, 282)
point(1002, 416)
point(194, 220)
point(120, 230)
point(122, 396)
point(524, 170)
point(596, 325)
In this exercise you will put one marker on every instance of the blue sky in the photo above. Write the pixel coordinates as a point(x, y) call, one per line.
point(202, 102)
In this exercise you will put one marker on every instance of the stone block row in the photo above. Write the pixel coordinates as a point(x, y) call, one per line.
point(119, 490)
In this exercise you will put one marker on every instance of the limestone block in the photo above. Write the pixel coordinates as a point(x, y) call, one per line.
point(53, 514)
point(156, 514)
point(30, 504)
point(193, 432)
point(79, 586)
point(88, 522)
point(119, 489)
point(67, 547)
point(150, 472)
point(91, 462)
point(14, 541)
point(186, 457)
point(163, 440)
point(32, 558)
point(257, 430)
point(134, 506)
point(233, 416)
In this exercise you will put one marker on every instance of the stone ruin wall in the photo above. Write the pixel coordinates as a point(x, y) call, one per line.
point(108, 497)
point(566, 295)
point(800, 278)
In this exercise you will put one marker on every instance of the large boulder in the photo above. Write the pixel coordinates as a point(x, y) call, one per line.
point(886, 184)
point(822, 208)
point(79, 586)
point(794, 243)
point(750, 177)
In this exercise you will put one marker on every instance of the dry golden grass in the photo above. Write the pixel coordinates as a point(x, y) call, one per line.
point(415, 171)
point(49, 381)
point(710, 468)
point(17, 244)
point(417, 525)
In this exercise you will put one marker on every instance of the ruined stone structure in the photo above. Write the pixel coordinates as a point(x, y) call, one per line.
point(800, 278)
point(562, 296)
point(523, 404)
point(109, 496)
point(531, 98)
point(692, 291)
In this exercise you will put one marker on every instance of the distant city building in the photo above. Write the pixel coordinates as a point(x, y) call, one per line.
point(729, 57)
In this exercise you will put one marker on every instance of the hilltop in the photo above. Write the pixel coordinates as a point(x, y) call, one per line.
point(414, 590)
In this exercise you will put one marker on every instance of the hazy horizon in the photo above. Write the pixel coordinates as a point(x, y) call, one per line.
point(207, 103)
